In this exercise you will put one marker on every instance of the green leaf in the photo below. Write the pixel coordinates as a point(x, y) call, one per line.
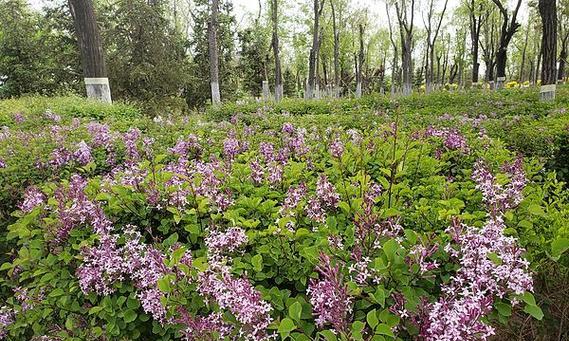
point(328, 335)
point(295, 310)
point(371, 319)
point(494, 258)
point(257, 262)
point(504, 309)
point(129, 316)
point(56, 292)
point(528, 298)
point(559, 246)
point(164, 284)
point(534, 311)
point(379, 296)
point(384, 329)
point(536, 210)
point(285, 327)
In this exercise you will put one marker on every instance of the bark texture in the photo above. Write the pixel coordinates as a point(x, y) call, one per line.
point(91, 48)
point(213, 53)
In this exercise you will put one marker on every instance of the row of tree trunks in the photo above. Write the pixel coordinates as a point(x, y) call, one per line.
point(276, 51)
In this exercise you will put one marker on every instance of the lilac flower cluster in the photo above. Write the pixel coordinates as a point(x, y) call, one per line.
point(101, 135)
point(198, 328)
point(83, 153)
point(184, 146)
point(295, 139)
point(497, 197)
point(452, 139)
point(491, 264)
point(419, 255)
point(326, 198)
point(59, 157)
point(329, 297)
point(293, 197)
point(130, 139)
point(336, 148)
point(6, 319)
point(33, 198)
point(225, 242)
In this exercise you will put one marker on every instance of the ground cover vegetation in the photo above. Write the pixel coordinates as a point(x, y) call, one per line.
point(440, 217)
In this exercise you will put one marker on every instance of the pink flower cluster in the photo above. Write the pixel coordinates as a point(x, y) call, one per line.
point(497, 197)
point(452, 139)
point(225, 242)
point(326, 198)
point(206, 328)
point(329, 297)
point(293, 197)
point(6, 319)
point(491, 264)
point(33, 198)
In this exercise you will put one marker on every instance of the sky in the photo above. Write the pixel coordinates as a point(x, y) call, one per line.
point(376, 8)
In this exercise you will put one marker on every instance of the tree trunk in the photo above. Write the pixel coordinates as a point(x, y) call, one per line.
point(360, 63)
point(276, 51)
point(336, 33)
point(548, 13)
point(312, 65)
point(506, 34)
point(522, 67)
point(213, 54)
point(92, 54)
point(406, 32)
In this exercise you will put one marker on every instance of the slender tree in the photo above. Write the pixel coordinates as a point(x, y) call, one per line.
point(394, 62)
point(477, 15)
point(360, 63)
point(563, 30)
point(432, 35)
point(213, 53)
point(509, 28)
point(548, 13)
point(276, 51)
point(405, 15)
point(336, 33)
point(91, 47)
point(312, 59)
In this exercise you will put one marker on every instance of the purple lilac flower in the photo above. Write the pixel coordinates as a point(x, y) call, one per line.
point(239, 297)
point(102, 266)
point(337, 148)
point(275, 171)
point(6, 319)
point(500, 198)
point(100, 134)
point(59, 157)
point(2, 164)
point(288, 128)
point(231, 148)
point(329, 296)
point(51, 116)
point(315, 211)
point(225, 242)
point(293, 197)
point(130, 139)
point(206, 328)
point(326, 192)
point(33, 198)
point(257, 172)
point(419, 254)
point(19, 118)
point(267, 150)
point(83, 153)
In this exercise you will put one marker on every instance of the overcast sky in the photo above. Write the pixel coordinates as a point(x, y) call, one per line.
point(376, 8)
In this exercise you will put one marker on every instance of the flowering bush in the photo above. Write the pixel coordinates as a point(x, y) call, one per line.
point(272, 229)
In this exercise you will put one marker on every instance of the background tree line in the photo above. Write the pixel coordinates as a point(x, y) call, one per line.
point(159, 52)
